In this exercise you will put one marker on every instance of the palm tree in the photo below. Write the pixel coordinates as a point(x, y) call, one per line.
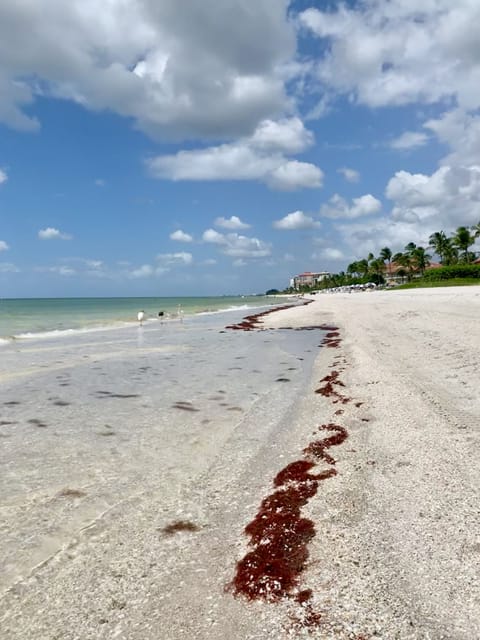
point(451, 253)
point(386, 254)
point(377, 267)
point(353, 269)
point(420, 259)
point(405, 261)
point(476, 230)
point(410, 247)
point(439, 242)
point(463, 239)
point(363, 267)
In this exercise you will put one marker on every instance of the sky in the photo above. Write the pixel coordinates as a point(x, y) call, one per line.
point(158, 148)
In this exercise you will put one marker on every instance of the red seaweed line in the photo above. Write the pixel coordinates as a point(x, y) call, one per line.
point(279, 534)
point(252, 321)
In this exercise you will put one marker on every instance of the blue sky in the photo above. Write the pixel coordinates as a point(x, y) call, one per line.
point(165, 148)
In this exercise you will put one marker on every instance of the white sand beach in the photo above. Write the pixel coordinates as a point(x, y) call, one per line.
point(109, 442)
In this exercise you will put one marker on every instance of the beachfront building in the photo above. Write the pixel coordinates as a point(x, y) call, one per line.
point(308, 279)
point(395, 273)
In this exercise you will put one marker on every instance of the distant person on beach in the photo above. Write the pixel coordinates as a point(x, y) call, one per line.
point(141, 317)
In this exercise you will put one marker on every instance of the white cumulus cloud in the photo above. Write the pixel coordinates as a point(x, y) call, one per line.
point(293, 175)
point(296, 220)
point(409, 140)
point(3, 176)
point(448, 197)
point(145, 271)
point(50, 233)
point(258, 157)
point(350, 175)
point(177, 69)
point(181, 236)
point(338, 207)
point(210, 235)
point(179, 258)
point(287, 136)
point(399, 52)
point(238, 246)
point(232, 223)
point(3, 245)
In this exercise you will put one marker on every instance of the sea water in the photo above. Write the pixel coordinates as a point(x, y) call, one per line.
point(45, 317)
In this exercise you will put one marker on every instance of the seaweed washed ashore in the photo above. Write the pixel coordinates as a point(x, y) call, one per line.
point(278, 534)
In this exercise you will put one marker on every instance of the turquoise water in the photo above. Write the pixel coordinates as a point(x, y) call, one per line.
point(23, 318)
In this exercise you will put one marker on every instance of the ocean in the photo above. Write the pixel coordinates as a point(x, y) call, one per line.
point(48, 317)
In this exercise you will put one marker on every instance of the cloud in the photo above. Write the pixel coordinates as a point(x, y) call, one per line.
point(145, 271)
point(296, 220)
point(461, 132)
point(287, 136)
point(421, 205)
point(396, 53)
point(357, 239)
point(231, 223)
point(8, 267)
point(350, 175)
point(53, 234)
point(61, 270)
point(329, 253)
point(180, 258)
point(136, 59)
point(99, 182)
point(409, 140)
point(3, 245)
point(338, 207)
point(258, 157)
point(237, 246)
point(94, 264)
point(294, 175)
point(3, 176)
point(165, 262)
point(181, 236)
point(437, 201)
point(210, 235)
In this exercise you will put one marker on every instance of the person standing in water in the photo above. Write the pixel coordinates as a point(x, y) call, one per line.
point(141, 317)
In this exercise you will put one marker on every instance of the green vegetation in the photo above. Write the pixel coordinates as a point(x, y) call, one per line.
point(454, 271)
point(409, 268)
point(454, 282)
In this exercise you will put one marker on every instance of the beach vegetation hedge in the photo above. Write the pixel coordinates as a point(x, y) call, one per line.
point(453, 282)
point(453, 271)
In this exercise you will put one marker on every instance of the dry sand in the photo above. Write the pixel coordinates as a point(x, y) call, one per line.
point(397, 549)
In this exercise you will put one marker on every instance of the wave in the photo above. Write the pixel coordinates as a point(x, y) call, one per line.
point(60, 333)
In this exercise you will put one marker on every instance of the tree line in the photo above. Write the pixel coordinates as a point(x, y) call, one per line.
point(451, 250)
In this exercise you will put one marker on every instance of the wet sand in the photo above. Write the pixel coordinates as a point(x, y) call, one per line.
point(134, 462)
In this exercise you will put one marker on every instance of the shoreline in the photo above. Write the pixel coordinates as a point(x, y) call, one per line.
point(39, 319)
point(396, 545)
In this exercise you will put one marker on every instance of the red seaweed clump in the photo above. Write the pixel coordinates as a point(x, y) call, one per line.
point(318, 449)
point(328, 390)
point(279, 534)
point(332, 337)
point(252, 321)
